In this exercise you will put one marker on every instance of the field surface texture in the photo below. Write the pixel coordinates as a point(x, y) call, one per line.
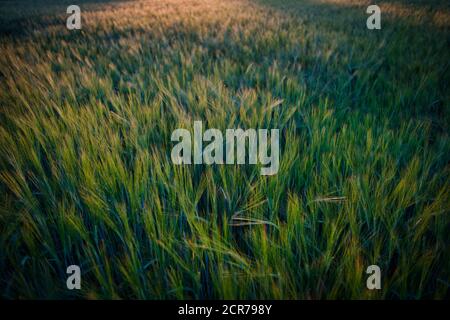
point(86, 177)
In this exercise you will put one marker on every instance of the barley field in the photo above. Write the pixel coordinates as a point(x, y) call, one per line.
point(86, 177)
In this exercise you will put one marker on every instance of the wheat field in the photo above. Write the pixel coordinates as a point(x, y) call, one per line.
point(86, 176)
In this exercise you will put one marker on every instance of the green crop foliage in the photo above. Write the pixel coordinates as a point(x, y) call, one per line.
point(86, 177)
